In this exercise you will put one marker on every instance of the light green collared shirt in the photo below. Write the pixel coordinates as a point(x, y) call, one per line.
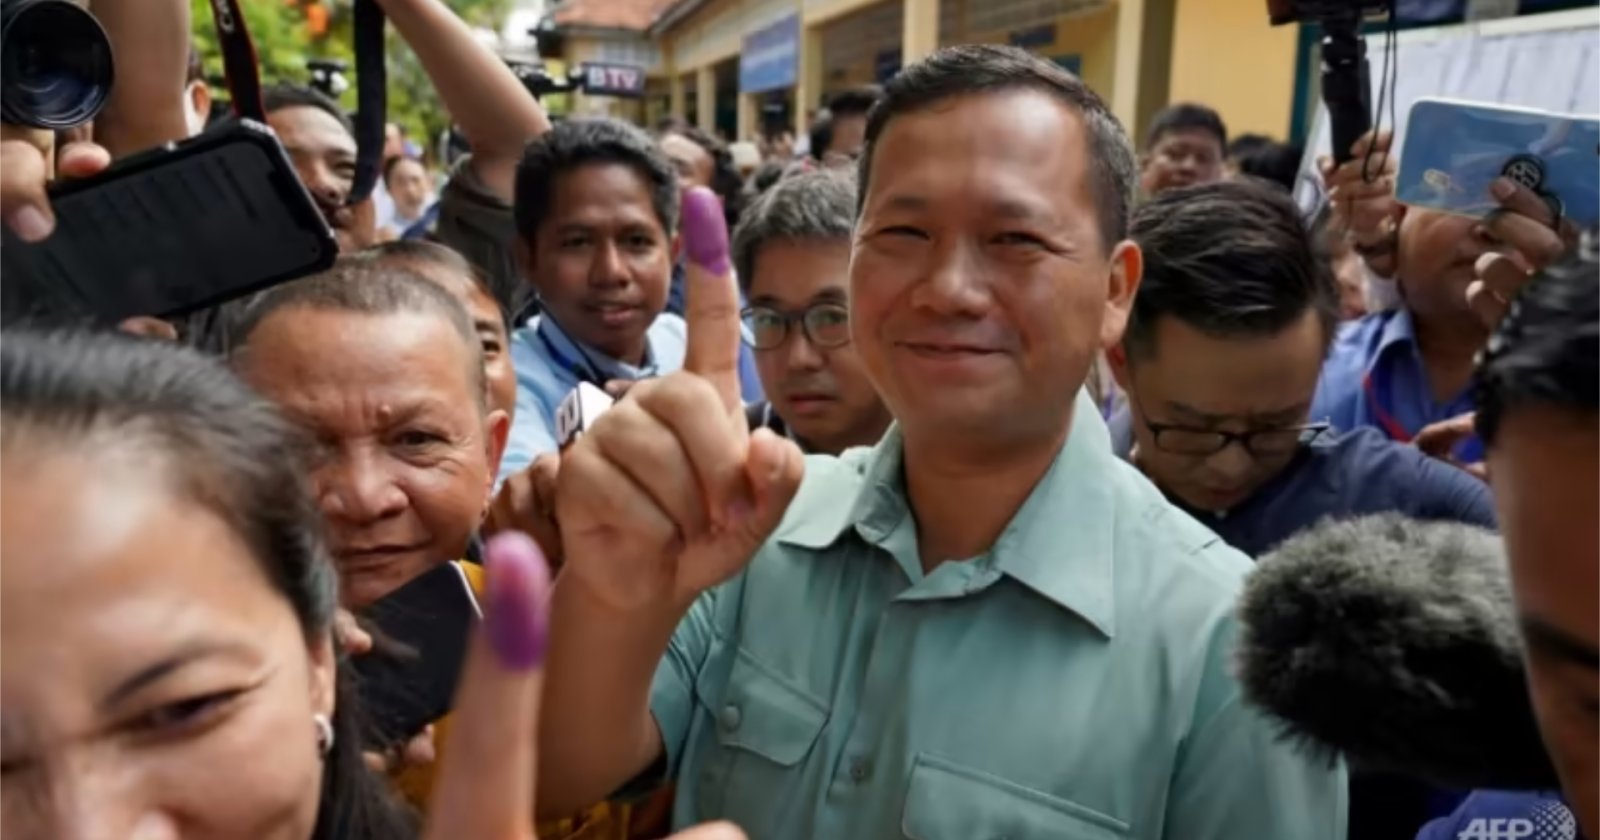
point(1071, 683)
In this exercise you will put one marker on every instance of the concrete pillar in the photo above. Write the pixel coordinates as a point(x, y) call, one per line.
point(749, 115)
point(921, 36)
point(675, 82)
point(1143, 61)
point(705, 98)
point(808, 77)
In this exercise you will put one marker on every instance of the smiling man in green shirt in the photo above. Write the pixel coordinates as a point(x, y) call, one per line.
point(986, 625)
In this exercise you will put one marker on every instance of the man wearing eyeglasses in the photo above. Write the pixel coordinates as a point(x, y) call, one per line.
point(792, 255)
point(1220, 363)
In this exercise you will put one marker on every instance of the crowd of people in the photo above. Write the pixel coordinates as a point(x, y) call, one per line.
point(941, 448)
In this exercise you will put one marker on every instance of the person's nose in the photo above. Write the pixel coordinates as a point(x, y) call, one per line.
point(800, 355)
point(93, 800)
point(1232, 464)
point(358, 488)
point(321, 183)
point(955, 285)
point(608, 267)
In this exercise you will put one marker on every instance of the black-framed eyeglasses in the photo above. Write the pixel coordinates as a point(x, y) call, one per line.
point(1181, 440)
point(824, 324)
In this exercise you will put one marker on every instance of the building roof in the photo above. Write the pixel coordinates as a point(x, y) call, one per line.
point(634, 15)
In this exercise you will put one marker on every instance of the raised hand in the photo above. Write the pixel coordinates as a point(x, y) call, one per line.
point(669, 493)
point(1361, 193)
point(1535, 237)
point(485, 788)
point(526, 502)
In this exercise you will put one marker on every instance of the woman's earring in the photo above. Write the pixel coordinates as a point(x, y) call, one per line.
point(324, 733)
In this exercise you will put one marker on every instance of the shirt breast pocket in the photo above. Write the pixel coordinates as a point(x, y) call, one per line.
point(764, 727)
point(947, 801)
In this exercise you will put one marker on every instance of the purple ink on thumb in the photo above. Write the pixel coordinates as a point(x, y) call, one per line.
point(518, 615)
point(705, 232)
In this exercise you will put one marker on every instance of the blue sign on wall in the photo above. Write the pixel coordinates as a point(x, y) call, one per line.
point(770, 57)
point(885, 64)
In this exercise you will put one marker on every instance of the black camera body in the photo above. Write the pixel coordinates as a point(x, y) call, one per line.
point(55, 64)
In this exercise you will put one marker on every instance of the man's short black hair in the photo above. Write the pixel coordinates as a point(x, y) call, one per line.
point(577, 143)
point(196, 69)
point(821, 134)
point(412, 253)
point(988, 68)
point(1272, 161)
point(1547, 350)
point(1186, 116)
point(1246, 143)
point(725, 180)
point(287, 95)
point(1230, 259)
point(855, 102)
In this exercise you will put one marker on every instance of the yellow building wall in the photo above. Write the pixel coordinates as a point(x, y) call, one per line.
point(1090, 35)
point(1226, 55)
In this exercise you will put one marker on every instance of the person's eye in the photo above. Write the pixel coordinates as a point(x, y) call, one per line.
point(491, 346)
point(903, 232)
point(638, 242)
point(184, 714)
point(418, 438)
point(830, 316)
point(1016, 237)
point(573, 242)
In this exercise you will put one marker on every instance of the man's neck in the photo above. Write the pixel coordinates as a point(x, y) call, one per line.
point(1448, 349)
point(964, 498)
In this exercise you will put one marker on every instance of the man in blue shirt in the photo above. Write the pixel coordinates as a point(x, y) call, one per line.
point(1219, 362)
point(1404, 369)
point(596, 214)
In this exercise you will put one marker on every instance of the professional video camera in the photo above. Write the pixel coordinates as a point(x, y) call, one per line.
point(1346, 81)
point(537, 80)
point(55, 64)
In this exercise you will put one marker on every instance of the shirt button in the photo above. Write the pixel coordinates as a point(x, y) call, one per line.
point(860, 769)
point(729, 718)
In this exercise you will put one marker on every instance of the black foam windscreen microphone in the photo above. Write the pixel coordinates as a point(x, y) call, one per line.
point(1394, 642)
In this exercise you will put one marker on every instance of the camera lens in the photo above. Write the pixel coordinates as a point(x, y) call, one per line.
point(55, 64)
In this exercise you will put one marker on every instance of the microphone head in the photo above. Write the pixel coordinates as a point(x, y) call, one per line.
point(1394, 642)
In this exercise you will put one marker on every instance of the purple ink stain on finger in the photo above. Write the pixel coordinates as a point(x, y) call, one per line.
point(518, 615)
point(705, 231)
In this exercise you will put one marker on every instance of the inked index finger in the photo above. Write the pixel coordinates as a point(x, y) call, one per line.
point(486, 779)
point(712, 300)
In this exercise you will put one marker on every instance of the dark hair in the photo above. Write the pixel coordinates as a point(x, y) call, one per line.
point(577, 143)
point(813, 206)
point(725, 180)
point(391, 163)
point(368, 287)
point(1547, 350)
point(1186, 116)
point(412, 252)
point(287, 95)
point(1230, 258)
point(1246, 143)
point(988, 68)
point(222, 447)
point(766, 176)
point(855, 102)
point(1278, 163)
point(821, 134)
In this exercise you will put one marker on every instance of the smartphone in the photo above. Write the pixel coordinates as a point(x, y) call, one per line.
point(1454, 149)
point(170, 231)
point(420, 632)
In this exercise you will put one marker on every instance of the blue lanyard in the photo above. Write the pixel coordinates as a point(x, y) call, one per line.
point(579, 370)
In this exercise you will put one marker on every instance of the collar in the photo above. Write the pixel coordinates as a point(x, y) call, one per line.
point(584, 361)
point(1398, 331)
point(1060, 543)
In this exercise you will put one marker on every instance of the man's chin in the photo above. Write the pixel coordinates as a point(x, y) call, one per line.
point(363, 583)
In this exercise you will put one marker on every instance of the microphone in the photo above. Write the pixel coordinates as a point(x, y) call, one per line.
point(1394, 642)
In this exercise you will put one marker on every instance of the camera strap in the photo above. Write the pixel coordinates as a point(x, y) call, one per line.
point(244, 82)
point(238, 60)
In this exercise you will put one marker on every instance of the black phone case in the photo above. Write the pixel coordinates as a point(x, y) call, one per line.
point(409, 678)
point(169, 231)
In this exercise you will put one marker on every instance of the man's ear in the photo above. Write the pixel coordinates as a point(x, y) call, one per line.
point(1117, 360)
point(676, 245)
point(1127, 269)
point(200, 101)
point(496, 430)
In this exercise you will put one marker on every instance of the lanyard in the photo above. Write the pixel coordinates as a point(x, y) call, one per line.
point(1386, 421)
point(580, 370)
